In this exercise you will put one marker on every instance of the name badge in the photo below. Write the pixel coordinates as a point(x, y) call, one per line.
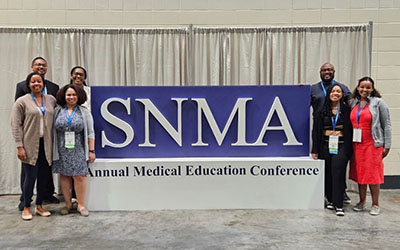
point(69, 139)
point(356, 135)
point(333, 144)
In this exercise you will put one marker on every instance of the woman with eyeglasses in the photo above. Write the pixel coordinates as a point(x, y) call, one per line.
point(78, 78)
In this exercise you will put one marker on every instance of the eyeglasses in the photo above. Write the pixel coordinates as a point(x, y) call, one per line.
point(78, 74)
point(40, 64)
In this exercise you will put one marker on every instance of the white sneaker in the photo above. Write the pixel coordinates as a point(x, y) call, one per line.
point(346, 199)
point(375, 210)
point(330, 206)
point(339, 211)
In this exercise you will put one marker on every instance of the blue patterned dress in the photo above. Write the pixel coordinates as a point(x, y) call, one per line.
point(72, 162)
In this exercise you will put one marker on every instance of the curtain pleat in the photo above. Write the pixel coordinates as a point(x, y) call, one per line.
point(279, 55)
point(180, 56)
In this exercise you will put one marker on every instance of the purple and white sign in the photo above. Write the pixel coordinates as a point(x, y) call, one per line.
point(218, 121)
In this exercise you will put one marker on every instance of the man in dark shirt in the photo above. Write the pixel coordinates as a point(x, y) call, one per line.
point(39, 65)
point(318, 90)
point(318, 93)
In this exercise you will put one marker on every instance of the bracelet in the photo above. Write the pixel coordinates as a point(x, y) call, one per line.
point(91, 151)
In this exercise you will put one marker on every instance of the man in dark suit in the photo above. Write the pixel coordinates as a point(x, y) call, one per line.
point(39, 65)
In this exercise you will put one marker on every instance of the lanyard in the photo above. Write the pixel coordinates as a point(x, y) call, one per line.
point(334, 121)
point(359, 111)
point(42, 109)
point(323, 86)
point(70, 117)
point(44, 92)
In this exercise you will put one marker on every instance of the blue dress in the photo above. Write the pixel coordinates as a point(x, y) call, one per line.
point(72, 161)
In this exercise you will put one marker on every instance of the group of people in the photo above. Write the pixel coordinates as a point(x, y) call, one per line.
point(53, 131)
point(350, 126)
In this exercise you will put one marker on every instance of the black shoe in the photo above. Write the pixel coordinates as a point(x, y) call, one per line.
point(330, 206)
point(339, 211)
point(52, 199)
point(346, 199)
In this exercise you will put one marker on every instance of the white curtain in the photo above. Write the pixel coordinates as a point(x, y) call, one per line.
point(278, 55)
point(175, 57)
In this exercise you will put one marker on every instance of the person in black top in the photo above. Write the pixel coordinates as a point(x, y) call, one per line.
point(318, 90)
point(318, 94)
point(39, 65)
point(332, 142)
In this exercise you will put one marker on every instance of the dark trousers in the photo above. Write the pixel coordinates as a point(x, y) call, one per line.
point(48, 179)
point(31, 174)
point(335, 174)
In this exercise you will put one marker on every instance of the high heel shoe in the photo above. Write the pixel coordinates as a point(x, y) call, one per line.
point(43, 214)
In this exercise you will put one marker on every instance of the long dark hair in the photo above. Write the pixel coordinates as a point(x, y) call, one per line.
point(327, 109)
point(374, 93)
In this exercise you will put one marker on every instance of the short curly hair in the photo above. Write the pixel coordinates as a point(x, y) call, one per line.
point(80, 93)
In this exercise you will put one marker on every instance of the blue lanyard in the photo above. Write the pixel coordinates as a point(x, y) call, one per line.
point(358, 110)
point(323, 86)
point(42, 108)
point(44, 92)
point(334, 121)
point(70, 117)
